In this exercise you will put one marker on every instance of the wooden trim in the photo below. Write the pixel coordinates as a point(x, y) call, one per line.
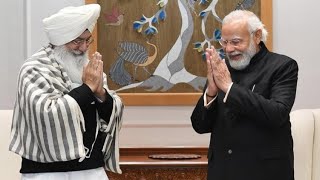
point(166, 126)
point(170, 149)
point(174, 99)
point(180, 99)
point(138, 156)
point(267, 19)
point(94, 45)
point(90, 1)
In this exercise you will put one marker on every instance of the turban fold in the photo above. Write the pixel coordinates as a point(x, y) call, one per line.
point(70, 22)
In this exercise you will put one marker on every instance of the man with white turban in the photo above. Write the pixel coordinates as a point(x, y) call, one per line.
point(66, 121)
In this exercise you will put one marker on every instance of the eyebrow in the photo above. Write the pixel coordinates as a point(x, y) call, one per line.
point(84, 38)
point(236, 37)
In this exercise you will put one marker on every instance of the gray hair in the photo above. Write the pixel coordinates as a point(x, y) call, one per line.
point(253, 21)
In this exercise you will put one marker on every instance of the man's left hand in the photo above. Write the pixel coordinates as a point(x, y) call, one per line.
point(220, 71)
point(100, 91)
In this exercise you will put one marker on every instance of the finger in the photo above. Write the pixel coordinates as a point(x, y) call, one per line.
point(209, 50)
point(98, 56)
point(213, 50)
point(95, 56)
point(100, 67)
point(207, 53)
point(215, 58)
point(91, 62)
point(209, 68)
point(93, 66)
point(208, 57)
point(101, 64)
point(215, 55)
point(99, 72)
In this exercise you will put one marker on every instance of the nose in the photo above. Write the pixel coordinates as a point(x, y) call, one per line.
point(84, 46)
point(229, 48)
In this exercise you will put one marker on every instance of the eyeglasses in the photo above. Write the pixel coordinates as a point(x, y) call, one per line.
point(236, 42)
point(80, 41)
point(233, 42)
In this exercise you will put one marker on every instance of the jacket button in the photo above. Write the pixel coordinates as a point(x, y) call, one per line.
point(229, 151)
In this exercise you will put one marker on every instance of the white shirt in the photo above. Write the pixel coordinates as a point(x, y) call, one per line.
point(91, 174)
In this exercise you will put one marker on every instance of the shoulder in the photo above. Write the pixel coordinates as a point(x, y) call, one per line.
point(281, 60)
point(43, 58)
point(41, 63)
point(282, 65)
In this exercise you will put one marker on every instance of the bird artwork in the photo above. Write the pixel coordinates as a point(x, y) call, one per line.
point(115, 18)
point(133, 53)
point(245, 4)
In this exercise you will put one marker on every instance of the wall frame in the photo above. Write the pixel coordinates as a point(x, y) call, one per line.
point(180, 99)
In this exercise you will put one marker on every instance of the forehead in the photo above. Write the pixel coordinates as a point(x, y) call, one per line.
point(235, 29)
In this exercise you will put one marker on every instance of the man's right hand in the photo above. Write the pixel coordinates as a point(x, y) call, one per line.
point(212, 88)
point(92, 73)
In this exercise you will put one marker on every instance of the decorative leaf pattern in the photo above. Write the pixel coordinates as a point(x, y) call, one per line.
point(133, 52)
point(217, 34)
point(151, 29)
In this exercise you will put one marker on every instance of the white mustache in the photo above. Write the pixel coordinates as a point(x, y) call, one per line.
point(234, 53)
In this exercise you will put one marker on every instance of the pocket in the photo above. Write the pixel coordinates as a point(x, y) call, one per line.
point(262, 89)
point(276, 164)
point(273, 154)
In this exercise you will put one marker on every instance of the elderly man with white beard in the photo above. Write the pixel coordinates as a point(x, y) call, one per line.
point(66, 121)
point(246, 104)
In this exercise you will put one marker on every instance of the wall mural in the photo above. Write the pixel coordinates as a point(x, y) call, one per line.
point(157, 46)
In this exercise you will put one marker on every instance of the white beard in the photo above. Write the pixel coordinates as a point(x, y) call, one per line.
point(246, 57)
point(72, 63)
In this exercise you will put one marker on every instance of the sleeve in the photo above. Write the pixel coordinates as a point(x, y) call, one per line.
point(202, 117)
point(274, 110)
point(105, 108)
point(83, 95)
point(205, 100)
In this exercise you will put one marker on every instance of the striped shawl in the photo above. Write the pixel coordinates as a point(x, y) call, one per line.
point(48, 123)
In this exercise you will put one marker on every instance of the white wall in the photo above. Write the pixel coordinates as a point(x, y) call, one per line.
point(296, 33)
point(12, 49)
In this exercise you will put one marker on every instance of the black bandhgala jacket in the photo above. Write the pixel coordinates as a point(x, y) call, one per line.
point(251, 132)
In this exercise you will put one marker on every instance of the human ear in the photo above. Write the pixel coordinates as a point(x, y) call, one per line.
point(258, 36)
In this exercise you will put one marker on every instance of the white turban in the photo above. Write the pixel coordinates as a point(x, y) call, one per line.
point(70, 22)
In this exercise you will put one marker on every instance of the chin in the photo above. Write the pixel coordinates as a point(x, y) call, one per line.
point(239, 64)
point(237, 58)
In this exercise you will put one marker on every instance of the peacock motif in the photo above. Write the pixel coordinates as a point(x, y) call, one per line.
point(133, 53)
